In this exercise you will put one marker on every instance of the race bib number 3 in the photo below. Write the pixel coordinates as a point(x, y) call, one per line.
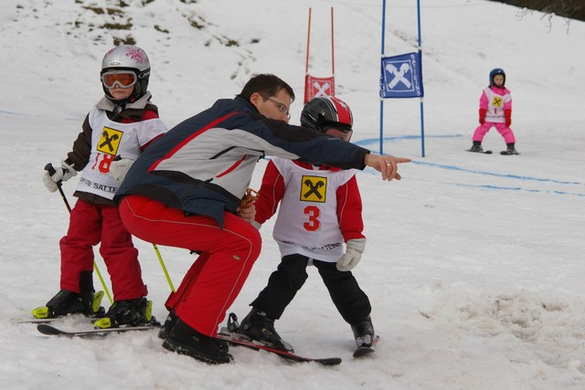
point(313, 189)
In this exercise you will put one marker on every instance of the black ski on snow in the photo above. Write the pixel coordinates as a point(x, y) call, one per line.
point(51, 330)
point(234, 340)
point(363, 351)
point(484, 152)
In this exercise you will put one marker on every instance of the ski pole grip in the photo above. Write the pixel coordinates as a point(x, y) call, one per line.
point(49, 168)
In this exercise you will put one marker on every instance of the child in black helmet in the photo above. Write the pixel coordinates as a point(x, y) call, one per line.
point(320, 209)
point(122, 124)
point(495, 110)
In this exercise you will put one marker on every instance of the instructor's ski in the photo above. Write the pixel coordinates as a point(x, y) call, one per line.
point(51, 330)
point(225, 335)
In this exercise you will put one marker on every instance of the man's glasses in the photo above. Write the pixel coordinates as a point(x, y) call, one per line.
point(281, 107)
point(124, 79)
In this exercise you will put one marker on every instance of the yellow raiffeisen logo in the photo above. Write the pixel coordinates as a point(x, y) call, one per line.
point(109, 141)
point(313, 189)
point(497, 101)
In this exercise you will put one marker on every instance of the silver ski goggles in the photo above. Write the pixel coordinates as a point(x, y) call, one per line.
point(122, 78)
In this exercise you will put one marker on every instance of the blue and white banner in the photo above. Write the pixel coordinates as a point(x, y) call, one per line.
point(401, 76)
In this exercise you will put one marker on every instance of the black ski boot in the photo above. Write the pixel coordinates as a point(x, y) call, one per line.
point(170, 323)
point(67, 302)
point(185, 340)
point(364, 334)
point(131, 312)
point(259, 327)
point(510, 150)
point(476, 147)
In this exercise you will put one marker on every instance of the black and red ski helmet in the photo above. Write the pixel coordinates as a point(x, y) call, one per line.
point(322, 113)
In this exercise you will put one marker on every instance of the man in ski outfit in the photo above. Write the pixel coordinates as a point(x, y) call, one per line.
point(495, 110)
point(123, 123)
point(185, 191)
point(319, 209)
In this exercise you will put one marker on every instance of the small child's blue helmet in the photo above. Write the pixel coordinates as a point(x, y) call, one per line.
point(495, 72)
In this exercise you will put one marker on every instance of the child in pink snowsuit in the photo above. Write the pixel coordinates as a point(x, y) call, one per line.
point(495, 109)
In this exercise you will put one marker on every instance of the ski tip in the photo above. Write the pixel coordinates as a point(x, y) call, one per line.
point(329, 361)
point(363, 351)
point(48, 330)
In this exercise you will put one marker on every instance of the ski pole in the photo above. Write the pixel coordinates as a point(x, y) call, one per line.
point(49, 168)
point(164, 268)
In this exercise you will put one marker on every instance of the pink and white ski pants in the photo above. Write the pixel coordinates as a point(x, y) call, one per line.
point(504, 130)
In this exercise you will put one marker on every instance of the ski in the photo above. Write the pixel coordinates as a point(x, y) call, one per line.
point(364, 351)
point(51, 330)
point(484, 152)
point(236, 341)
point(74, 318)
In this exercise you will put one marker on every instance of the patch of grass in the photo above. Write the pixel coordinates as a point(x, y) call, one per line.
point(162, 30)
point(117, 26)
point(129, 40)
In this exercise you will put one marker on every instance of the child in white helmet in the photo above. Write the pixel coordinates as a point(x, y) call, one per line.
point(495, 110)
point(114, 133)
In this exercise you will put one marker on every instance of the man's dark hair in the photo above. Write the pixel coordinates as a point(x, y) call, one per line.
point(266, 85)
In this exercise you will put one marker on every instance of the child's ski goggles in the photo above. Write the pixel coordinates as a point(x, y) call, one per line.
point(123, 78)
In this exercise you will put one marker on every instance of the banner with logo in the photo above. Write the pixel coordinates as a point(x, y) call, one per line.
point(319, 87)
point(401, 76)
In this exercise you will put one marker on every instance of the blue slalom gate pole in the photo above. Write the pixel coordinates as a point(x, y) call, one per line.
point(381, 99)
point(422, 115)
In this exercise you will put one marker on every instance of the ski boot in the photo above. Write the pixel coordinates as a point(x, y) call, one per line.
point(510, 150)
point(259, 327)
point(131, 312)
point(185, 340)
point(168, 325)
point(67, 302)
point(476, 147)
point(364, 334)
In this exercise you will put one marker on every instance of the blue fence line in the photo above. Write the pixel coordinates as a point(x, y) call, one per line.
point(456, 168)
point(492, 187)
point(366, 142)
point(507, 176)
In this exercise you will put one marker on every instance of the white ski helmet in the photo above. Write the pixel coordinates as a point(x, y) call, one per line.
point(132, 58)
